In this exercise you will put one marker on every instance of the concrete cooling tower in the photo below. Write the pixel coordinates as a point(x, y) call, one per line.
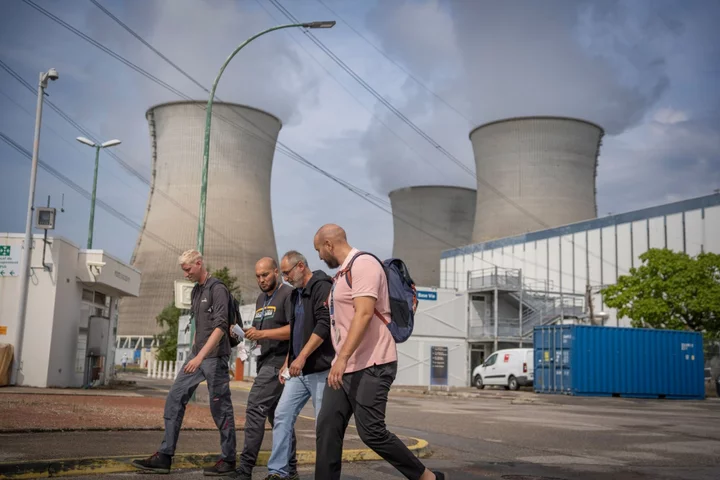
point(426, 221)
point(239, 227)
point(544, 165)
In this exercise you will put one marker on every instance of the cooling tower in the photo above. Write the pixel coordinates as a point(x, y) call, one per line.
point(238, 228)
point(545, 167)
point(426, 221)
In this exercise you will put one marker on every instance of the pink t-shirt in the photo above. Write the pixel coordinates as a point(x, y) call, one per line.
point(368, 280)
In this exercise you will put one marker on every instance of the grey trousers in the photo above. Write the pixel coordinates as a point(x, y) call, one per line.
point(264, 397)
point(215, 372)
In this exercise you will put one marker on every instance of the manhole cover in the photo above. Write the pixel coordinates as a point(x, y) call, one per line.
point(528, 477)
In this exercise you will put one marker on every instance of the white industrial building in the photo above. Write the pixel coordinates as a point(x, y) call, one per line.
point(548, 273)
point(71, 319)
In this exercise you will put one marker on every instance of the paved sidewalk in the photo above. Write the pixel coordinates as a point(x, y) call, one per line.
point(48, 412)
point(39, 455)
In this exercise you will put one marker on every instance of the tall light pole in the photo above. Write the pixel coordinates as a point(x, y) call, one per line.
point(206, 147)
point(208, 117)
point(90, 143)
point(53, 75)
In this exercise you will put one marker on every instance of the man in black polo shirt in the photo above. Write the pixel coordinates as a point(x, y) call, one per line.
point(208, 361)
point(271, 333)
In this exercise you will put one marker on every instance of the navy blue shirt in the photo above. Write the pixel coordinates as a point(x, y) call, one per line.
point(298, 326)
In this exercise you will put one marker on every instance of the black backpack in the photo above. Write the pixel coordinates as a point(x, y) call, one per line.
point(234, 317)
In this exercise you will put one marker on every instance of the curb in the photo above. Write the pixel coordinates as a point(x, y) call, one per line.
point(113, 429)
point(121, 464)
point(427, 393)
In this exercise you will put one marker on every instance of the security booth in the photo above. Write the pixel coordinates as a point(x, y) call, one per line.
point(69, 333)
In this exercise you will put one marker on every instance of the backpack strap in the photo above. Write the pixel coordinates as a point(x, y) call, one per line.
point(346, 272)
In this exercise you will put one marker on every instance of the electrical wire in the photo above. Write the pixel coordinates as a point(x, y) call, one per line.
point(398, 65)
point(293, 155)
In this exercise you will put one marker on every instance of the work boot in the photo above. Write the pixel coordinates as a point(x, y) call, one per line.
point(158, 463)
point(221, 468)
point(238, 476)
point(275, 476)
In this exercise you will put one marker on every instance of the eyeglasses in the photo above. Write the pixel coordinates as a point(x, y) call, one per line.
point(287, 274)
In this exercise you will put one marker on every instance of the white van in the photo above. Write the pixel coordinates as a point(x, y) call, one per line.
point(511, 368)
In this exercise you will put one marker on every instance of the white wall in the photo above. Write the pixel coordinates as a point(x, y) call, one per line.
point(414, 360)
point(39, 312)
point(596, 251)
point(444, 317)
point(65, 319)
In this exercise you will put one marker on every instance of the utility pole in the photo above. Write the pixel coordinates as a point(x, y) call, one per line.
point(51, 74)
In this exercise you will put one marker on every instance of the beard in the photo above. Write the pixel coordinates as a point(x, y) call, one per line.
point(331, 262)
point(271, 286)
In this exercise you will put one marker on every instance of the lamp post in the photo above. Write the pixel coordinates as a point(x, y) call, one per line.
point(90, 143)
point(208, 117)
point(53, 75)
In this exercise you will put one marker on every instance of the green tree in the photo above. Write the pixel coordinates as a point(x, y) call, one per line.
point(671, 290)
point(230, 281)
point(169, 318)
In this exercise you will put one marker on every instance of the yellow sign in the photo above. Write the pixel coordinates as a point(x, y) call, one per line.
point(3, 330)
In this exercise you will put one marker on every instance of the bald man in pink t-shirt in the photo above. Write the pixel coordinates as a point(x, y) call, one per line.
point(365, 362)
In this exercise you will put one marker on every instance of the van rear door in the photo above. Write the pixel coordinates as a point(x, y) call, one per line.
point(529, 359)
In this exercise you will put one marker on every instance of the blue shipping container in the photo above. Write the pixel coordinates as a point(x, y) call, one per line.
point(625, 362)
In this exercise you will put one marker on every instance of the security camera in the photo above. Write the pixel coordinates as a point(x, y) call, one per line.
point(53, 74)
point(95, 264)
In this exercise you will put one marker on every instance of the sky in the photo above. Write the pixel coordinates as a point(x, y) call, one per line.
point(647, 72)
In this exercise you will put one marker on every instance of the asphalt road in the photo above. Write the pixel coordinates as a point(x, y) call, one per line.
point(525, 436)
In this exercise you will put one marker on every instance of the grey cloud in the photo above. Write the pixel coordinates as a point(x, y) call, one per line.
point(585, 59)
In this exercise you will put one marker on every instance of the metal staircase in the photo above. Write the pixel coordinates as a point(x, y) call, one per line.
point(541, 302)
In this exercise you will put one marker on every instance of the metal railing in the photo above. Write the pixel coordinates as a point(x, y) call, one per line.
point(504, 278)
point(539, 300)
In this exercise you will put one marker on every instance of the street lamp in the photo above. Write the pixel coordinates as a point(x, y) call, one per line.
point(208, 117)
point(90, 143)
point(53, 75)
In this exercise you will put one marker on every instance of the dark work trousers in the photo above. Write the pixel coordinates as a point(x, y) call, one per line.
point(215, 372)
point(364, 394)
point(262, 401)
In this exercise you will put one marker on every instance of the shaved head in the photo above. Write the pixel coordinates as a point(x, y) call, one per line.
point(266, 263)
point(266, 273)
point(332, 245)
point(331, 232)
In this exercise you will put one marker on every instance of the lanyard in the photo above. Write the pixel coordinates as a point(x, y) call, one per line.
point(267, 303)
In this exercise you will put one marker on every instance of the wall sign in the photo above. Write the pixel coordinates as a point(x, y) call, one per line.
point(9, 261)
point(425, 295)
point(438, 365)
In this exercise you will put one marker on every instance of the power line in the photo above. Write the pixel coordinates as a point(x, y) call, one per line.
point(112, 211)
point(60, 136)
point(417, 129)
point(284, 148)
point(382, 52)
point(354, 97)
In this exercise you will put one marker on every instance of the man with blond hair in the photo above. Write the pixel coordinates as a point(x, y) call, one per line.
point(208, 361)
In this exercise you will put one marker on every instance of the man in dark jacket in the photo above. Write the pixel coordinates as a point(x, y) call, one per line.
point(308, 360)
point(208, 361)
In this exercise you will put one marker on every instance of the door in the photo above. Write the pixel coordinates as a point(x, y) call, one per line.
point(489, 373)
point(477, 358)
point(529, 363)
point(505, 364)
